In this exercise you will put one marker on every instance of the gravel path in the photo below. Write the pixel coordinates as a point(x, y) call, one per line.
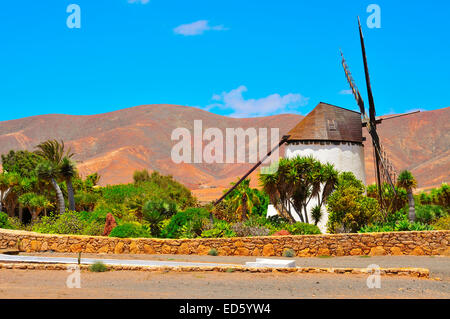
point(135, 284)
point(438, 266)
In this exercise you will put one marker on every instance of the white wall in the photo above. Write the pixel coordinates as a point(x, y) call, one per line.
point(345, 157)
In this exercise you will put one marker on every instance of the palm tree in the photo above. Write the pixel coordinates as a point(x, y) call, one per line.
point(329, 179)
point(53, 151)
point(49, 171)
point(243, 198)
point(67, 169)
point(35, 203)
point(7, 183)
point(316, 214)
point(407, 181)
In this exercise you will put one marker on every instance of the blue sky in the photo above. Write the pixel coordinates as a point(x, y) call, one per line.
point(232, 57)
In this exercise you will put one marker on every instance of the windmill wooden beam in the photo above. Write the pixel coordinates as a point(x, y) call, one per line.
point(383, 168)
point(282, 141)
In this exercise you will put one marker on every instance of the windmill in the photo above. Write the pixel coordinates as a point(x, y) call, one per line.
point(384, 170)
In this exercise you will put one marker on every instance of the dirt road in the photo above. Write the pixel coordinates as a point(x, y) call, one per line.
point(135, 284)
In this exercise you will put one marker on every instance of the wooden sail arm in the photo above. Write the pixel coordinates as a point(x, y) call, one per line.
point(282, 141)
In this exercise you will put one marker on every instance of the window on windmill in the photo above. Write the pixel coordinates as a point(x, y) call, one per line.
point(332, 126)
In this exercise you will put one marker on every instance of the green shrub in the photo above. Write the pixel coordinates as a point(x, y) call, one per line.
point(316, 214)
point(427, 214)
point(98, 215)
point(288, 253)
point(67, 223)
point(397, 216)
point(17, 224)
point(442, 223)
point(4, 221)
point(93, 229)
point(302, 229)
point(156, 187)
point(220, 229)
point(403, 225)
point(155, 211)
point(213, 252)
point(194, 216)
point(420, 227)
point(349, 209)
point(129, 230)
point(98, 267)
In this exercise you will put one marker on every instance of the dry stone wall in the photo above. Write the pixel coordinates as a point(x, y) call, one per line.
point(393, 243)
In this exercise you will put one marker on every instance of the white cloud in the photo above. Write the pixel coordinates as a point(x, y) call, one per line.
point(197, 28)
point(139, 1)
point(346, 92)
point(272, 104)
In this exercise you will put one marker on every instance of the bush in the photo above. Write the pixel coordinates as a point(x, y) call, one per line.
point(442, 223)
point(403, 225)
point(129, 230)
point(155, 211)
point(302, 229)
point(349, 209)
point(68, 223)
point(98, 267)
point(220, 229)
point(192, 218)
point(4, 221)
point(154, 187)
point(427, 214)
point(288, 253)
point(17, 224)
point(213, 252)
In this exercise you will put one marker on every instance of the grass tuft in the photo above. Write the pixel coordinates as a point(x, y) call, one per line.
point(213, 252)
point(98, 267)
point(288, 253)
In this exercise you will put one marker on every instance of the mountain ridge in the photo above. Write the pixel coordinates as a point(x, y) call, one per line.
point(117, 143)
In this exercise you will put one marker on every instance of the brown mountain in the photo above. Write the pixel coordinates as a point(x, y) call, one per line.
point(117, 143)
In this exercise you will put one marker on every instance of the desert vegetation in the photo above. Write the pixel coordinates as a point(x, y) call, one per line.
point(42, 191)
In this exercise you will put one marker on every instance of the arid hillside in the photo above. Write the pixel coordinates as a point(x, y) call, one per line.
point(117, 143)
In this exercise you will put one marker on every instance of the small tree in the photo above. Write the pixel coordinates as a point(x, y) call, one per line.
point(35, 203)
point(349, 209)
point(155, 211)
point(407, 181)
point(48, 171)
point(141, 176)
point(68, 171)
point(7, 183)
point(243, 199)
point(296, 182)
point(316, 214)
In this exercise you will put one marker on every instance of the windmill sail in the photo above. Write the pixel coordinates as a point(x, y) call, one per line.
point(385, 172)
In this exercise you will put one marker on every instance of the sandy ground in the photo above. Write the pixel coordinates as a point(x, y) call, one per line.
point(135, 284)
point(438, 266)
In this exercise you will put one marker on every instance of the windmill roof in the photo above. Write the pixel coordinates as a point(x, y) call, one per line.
point(328, 122)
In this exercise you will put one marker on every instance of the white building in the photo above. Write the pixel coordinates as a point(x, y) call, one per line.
point(330, 134)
